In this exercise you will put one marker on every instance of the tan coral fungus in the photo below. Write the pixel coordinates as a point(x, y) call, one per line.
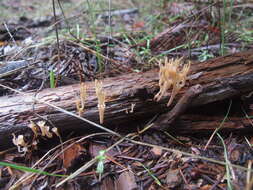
point(101, 100)
point(171, 75)
point(81, 102)
point(20, 143)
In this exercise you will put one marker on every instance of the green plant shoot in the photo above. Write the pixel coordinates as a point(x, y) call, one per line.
point(101, 158)
point(52, 79)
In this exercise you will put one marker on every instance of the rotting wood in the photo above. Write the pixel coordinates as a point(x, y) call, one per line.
point(168, 39)
point(166, 119)
point(200, 124)
point(221, 78)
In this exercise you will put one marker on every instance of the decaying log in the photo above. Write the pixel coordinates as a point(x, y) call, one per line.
point(168, 39)
point(129, 97)
point(201, 124)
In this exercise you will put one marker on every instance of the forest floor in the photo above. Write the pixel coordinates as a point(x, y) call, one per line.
point(82, 41)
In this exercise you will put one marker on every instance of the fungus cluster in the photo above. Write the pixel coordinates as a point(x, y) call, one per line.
point(170, 74)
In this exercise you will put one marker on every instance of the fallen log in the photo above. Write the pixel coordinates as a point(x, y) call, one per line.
point(129, 97)
point(189, 124)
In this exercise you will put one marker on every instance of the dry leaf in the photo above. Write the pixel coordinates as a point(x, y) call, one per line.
point(71, 154)
point(156, 151)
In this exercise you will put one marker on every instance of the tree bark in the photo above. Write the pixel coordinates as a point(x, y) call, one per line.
point(221, 78)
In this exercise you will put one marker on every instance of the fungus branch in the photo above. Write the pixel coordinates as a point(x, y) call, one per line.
point(80, 102)
point(170, 74)
point(101, 100)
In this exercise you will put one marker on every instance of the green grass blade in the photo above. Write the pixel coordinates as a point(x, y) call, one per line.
point(152, 175)
point(27, 169)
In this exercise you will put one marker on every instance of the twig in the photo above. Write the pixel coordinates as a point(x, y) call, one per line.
point(118, 12)
point(12, 38)
point(56, 31)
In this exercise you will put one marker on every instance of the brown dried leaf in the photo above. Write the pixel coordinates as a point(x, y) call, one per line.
point(71, 154)
point(156, 151)
point(173, 178)
point(126, 181)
